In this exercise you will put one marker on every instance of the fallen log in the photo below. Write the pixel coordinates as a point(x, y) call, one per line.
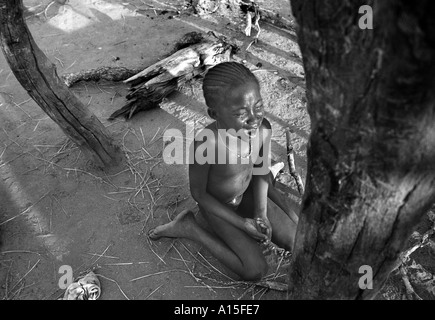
point(151, 85)
point(122, 73)
point(102, 73)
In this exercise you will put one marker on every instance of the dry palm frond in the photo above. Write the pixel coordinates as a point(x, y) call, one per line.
point(154, 83)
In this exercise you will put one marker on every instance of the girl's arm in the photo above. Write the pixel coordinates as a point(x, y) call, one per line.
point(260, 178)
point(263, 187)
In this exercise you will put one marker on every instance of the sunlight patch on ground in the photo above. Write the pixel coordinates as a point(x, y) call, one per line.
point(30, 209)
point(192, 119)
point(78, 14)
point(164, 4)
point(280, 42)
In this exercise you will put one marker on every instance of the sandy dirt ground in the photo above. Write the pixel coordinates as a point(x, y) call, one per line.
point(58, 209)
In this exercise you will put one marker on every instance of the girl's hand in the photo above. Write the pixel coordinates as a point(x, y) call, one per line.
point(252, 228)
point(264, 226)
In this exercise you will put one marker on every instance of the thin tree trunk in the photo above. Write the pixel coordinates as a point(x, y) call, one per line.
point(39, 77)
point(371, 154)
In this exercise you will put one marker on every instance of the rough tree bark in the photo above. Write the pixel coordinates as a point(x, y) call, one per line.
point(371, 153)
point(39, 77)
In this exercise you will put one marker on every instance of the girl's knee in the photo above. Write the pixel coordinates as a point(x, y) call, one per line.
point(255, 271)
point(285, 241)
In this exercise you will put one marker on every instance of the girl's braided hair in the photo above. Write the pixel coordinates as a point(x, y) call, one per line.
point(223, 77)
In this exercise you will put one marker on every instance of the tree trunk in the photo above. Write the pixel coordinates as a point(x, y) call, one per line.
point(39, 77)
point(371, 154)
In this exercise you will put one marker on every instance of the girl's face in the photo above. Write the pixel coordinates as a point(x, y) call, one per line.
point(242, 109)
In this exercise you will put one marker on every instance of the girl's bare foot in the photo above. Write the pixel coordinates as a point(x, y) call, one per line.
point(181, 227)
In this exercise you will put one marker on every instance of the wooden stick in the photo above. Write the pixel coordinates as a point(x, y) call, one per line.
point(153, 291)
point(105, 73)
point(158, 273)
point(291, 164)
point(19, 251)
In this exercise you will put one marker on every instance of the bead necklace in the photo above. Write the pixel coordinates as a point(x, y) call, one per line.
point(239, 155)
